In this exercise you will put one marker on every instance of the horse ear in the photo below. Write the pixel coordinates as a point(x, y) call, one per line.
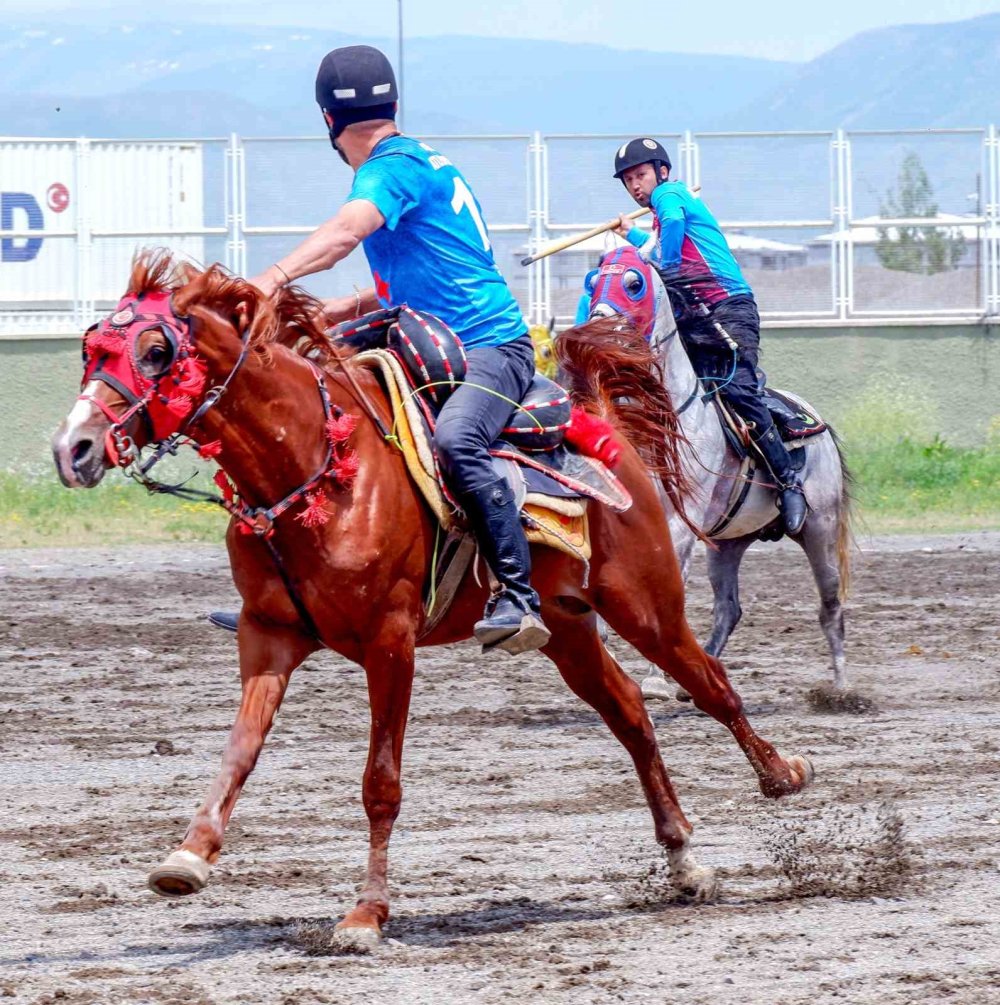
point(242, 316)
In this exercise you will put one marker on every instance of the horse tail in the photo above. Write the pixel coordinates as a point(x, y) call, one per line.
point(845, 533)
point(611, 371)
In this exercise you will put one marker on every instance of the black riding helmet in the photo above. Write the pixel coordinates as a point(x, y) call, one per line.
point(641, 150)
point(355, 84)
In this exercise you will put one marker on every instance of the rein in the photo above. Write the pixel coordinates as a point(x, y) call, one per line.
point(364, 401)
point(256, 520)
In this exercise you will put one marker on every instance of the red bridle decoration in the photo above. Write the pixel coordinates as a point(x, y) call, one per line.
point(167, 397)
point(169, 400)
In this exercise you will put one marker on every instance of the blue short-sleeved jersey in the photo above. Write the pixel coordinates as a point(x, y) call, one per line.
point(434, 252)
point(687, 239)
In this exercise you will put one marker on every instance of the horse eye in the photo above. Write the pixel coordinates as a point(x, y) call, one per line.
point(590, 282)
point(633, 282)
point(156, 360)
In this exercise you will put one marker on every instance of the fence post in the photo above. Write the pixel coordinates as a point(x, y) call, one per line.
point(235, 191)
point(546, 262)
point(84, 301)
point(841, 253)
point(690, 160)
point(992, 229)
point(537, 287)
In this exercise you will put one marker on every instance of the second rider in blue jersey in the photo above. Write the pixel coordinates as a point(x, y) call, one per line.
point(428, 246)
point(715, 307)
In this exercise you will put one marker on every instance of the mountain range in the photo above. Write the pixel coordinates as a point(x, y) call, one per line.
point(145, 78)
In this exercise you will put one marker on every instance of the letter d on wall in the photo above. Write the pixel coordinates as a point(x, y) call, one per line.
point(13, 249)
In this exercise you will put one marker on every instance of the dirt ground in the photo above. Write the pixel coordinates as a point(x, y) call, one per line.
point(523, 863)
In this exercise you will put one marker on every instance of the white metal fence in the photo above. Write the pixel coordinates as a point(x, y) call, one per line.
point(806, 214)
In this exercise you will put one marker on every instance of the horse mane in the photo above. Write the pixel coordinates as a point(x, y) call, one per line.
point(153, 271)
point(288, 318)
point(611, 371)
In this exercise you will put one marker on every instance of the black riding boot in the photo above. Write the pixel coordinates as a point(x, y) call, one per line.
point(512, 620)
point(791, 499)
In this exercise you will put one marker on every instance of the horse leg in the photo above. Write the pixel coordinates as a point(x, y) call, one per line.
point(724, 575)
point(819, 541)
point(267, 659)
point(652, 620)
point(593, 675)
point(389, 668)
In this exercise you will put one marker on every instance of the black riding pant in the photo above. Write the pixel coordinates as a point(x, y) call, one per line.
point(712, 357)
point(473, 417)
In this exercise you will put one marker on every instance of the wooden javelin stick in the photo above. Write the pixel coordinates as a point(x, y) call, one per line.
point(568, 242)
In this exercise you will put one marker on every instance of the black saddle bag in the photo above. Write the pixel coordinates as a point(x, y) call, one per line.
point(429, 350)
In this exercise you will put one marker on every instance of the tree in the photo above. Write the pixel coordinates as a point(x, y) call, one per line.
point(914, 248)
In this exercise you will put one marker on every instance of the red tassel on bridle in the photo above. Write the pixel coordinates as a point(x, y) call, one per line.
point(339, 429)
point(343, 470)
point(192, 380)
point(315, 514)
point(105, 343)
point(225, 486)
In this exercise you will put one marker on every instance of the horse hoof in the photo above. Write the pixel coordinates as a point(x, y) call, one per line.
point(355, 940)
point(655, 686)
point(801, 774)
point(694, 883)
point(802, 767)
point(698, 886)
point(681, 695)
point(181, 874)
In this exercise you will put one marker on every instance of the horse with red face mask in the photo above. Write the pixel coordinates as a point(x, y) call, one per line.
point(331, 541)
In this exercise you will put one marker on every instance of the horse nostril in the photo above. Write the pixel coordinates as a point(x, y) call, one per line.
point(80, 450)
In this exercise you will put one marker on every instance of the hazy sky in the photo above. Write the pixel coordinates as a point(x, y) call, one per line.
point(776, 29)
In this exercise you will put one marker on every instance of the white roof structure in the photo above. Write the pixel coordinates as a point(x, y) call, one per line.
point(865, 230)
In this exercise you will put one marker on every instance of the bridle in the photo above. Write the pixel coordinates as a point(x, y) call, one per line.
point(110, 357)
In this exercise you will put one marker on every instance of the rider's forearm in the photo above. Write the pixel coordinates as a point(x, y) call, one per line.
point(321, 250)
point(338, 309)
point(643, 241)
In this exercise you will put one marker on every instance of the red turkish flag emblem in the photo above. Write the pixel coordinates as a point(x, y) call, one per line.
point(382, 289)
point(57, 197)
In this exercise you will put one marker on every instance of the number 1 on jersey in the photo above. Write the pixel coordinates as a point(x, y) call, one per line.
point(463, 199)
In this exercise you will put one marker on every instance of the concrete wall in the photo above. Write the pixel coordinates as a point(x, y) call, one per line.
point(955, 369)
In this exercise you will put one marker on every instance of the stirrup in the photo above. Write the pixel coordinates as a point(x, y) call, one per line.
point(507, 626)
point(224, 619)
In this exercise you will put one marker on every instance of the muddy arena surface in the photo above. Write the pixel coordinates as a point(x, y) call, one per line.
point(523, 865)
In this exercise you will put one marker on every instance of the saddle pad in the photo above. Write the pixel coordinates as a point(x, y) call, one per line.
point(547, 489)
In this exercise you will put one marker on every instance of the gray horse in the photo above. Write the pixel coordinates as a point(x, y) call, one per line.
point(714, 468)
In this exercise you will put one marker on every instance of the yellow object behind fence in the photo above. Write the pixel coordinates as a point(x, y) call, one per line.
point(545, 350)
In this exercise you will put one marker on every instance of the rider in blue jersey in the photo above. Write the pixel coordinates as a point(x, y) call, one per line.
point(428, 246)
point(715, 307)
point(428, 205)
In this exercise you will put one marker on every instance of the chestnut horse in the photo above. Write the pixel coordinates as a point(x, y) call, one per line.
point(346, 570)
